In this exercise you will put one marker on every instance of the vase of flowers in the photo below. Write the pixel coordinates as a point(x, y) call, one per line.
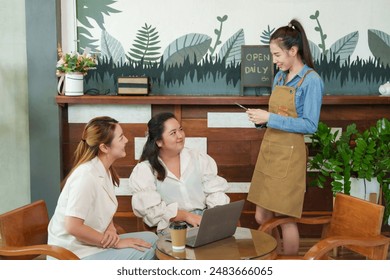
point(71, 68)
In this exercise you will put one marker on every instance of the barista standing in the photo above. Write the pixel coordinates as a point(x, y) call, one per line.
point(279, 180)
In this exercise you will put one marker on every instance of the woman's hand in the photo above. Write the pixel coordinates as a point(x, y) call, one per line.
point(193, 219)
point(258, 116)
point(189, 218)
point(110, 238)
point(136, 243)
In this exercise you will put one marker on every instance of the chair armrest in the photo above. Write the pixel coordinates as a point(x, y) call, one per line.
point(43, 249)
point(275, 222)
point(319, 250)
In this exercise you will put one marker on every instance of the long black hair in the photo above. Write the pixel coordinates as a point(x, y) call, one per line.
point(291, 35)
point(151, 151)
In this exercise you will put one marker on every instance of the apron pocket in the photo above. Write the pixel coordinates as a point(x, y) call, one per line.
point(274, 159)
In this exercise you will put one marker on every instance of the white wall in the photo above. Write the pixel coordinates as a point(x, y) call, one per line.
point(174, 18)
point(14, 134)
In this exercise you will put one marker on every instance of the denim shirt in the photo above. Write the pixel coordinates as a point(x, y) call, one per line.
point(308, 100)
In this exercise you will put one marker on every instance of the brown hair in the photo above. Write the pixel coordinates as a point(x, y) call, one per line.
point(291, 35)
point(99, 130)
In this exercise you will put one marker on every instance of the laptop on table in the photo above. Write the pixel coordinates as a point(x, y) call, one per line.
point(217, 223)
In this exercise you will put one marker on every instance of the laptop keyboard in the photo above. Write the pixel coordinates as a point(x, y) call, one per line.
point(192, 233)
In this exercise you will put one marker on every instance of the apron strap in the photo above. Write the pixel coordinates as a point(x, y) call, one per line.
point(304, 76)
point(300, 81)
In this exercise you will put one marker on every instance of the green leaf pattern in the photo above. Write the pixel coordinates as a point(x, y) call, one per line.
point(315, 51)
point(379, 44)
point(345, 46)
point(194, 46)
point(91, 10)
point(111, 48)
point(231, 50)
point(145, 47)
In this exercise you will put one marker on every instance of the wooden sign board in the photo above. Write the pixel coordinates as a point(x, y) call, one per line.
point(256, 66)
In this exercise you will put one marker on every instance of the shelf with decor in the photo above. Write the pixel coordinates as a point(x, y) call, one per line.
point(211, 100)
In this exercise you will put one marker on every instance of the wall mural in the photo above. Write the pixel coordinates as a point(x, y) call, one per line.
point(204, 64)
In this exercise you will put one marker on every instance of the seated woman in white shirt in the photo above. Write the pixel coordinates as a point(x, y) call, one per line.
point(171, 182)
point(83, 219)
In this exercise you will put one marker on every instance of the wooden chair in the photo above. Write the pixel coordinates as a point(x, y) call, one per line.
point(23, 234)
point(355, 224)
point(125, 220)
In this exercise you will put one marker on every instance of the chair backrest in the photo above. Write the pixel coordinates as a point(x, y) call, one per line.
point(25, 226)
point(355, 217)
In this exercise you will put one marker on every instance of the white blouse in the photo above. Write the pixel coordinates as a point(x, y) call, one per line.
point(89, 195)
point(199, 187)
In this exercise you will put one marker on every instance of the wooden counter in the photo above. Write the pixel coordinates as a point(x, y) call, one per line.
point(209, 100)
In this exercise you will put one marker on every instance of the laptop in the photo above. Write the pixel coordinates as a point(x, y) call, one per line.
point(217, 223)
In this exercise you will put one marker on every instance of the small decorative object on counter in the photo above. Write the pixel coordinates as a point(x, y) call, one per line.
point(385, 89)
point(133, 85)
point(71, 69)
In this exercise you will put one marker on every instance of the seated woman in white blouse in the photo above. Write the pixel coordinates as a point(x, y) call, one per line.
point(83, 219)
point(172, 182)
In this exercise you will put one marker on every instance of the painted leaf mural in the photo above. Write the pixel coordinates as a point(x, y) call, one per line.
point(345, 46)
point(218, 32)
point(266, 35)
point(379, 44)
point(86, 40)
point(315, 51)
point(192, 46)
point(146, 47)
point(319, 29)
point(112, 48)
point(198, 63)
point(231, 50)
point(88, 11)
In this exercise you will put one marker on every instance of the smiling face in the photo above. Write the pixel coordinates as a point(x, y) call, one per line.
point(284, 59)
point(116, 149)
point(173, 137)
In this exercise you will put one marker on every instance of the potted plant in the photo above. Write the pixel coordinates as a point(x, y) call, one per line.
point(73, 67)
point(363, 155)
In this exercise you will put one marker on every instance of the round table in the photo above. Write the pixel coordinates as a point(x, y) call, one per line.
point(245, 244)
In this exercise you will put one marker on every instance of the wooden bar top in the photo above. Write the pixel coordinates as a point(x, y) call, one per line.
point(211, 100)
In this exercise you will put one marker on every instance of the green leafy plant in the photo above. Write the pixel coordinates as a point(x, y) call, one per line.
point(362, 155)
point(74, 63)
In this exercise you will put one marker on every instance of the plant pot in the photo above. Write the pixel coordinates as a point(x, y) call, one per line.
point(364, 189)
point(74, 84)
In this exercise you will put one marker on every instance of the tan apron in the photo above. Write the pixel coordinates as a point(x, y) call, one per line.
point(279, 180)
